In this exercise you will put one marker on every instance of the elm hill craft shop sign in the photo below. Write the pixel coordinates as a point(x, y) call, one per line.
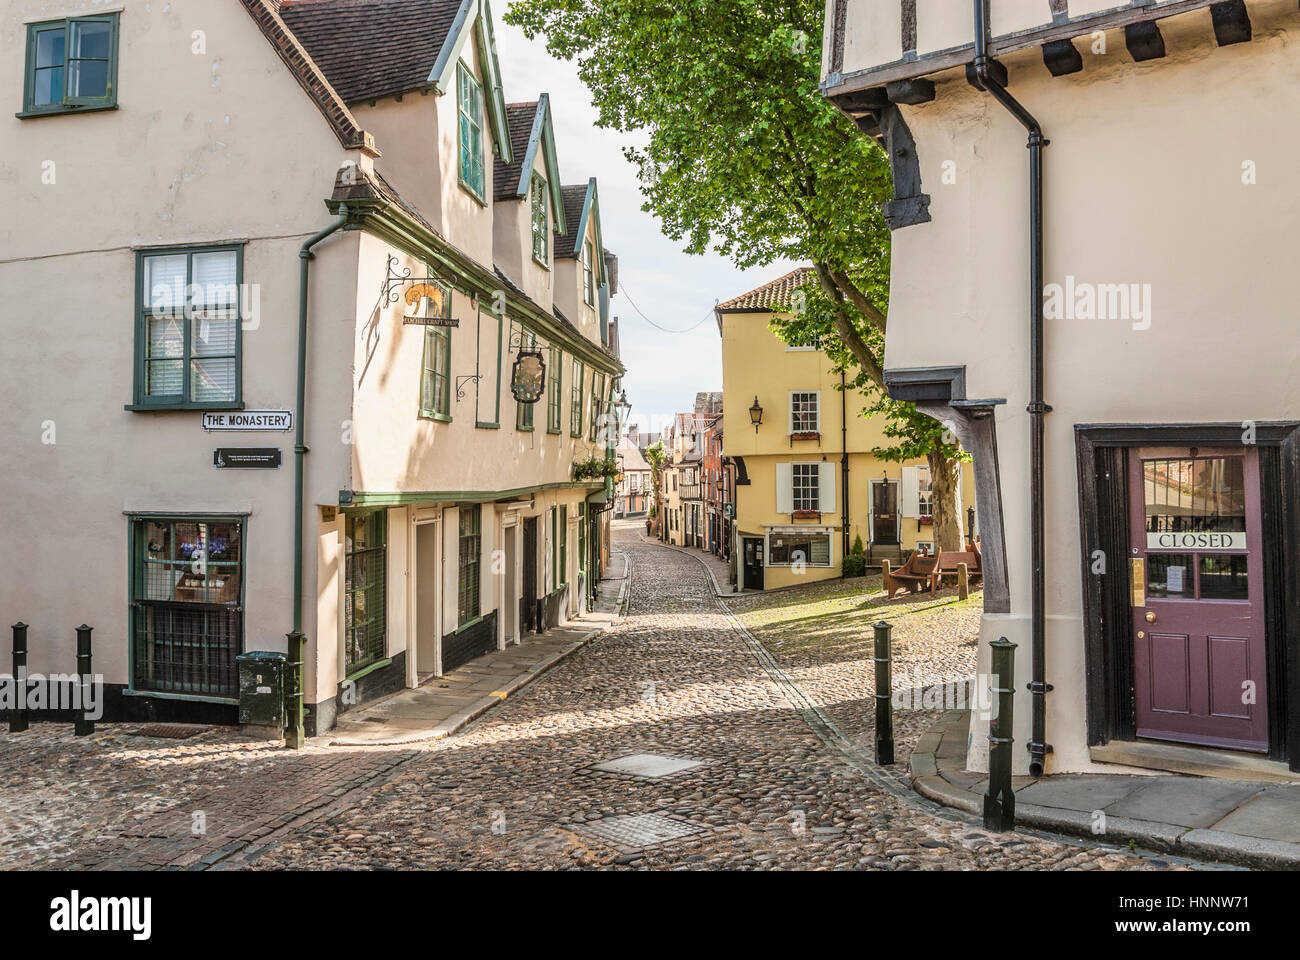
point(280, 420)
point(246, 458)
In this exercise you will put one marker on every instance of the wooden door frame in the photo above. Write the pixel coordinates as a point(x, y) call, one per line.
point(1102, 452)
point(871, 511)
point(419, 518)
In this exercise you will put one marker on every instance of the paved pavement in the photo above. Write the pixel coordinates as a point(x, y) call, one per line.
point(720, 762)
point(444, 705)
point(1248, 822)
point(741, 780)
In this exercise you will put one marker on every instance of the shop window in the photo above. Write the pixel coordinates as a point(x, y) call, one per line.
point(471, 552)
point(365, 598)
point(786, 549)
point(71, 66)
point(187, 621)
point(188, 328)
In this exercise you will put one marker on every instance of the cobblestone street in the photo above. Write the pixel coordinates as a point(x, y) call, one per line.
point(517, 789)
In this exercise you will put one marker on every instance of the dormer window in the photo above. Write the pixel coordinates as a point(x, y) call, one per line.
point(470, 95)
point(71, 65)
point(588, 275)
point(541, 230)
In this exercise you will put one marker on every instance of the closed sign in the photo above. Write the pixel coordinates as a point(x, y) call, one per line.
point(1197, 540)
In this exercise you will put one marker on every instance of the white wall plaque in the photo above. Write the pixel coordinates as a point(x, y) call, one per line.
point(280, 420)
point(1197, 540)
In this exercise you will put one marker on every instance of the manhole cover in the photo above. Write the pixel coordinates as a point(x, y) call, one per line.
point(640, 830)
point(170, 731)
point(646, 765)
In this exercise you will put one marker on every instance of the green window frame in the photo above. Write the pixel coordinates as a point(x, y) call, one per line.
point(575, 398)
point(71, 66)
point(597, 404)
point(470, 581)
point(588, 274)
point(365, 588)
point(524, 411)
point(541, 221)
point(582, 539)
point(435, 375)
point(562, 570)
point(189, 327)
point(555, 390)
point(470, 104)
point(186, 614)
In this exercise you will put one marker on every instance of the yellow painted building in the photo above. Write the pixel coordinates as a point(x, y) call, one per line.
point(811, 445)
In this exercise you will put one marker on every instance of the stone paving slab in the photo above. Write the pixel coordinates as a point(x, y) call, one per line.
point(1241, 822)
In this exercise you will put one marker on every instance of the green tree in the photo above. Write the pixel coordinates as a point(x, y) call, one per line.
point(655, 456)
point(742, 154)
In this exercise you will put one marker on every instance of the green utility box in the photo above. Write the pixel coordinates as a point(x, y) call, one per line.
point(261, 690)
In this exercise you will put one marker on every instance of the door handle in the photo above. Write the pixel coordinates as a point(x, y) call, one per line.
point(1151, 617)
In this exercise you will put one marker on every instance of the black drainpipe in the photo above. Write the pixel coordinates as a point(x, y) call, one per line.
point(988, 75)
point(844, 461)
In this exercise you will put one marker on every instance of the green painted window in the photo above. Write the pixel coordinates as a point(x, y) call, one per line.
point(562, 571)
point(588, 274)
point(597, 404)
point(524, 411)
point(471, 550)
point(71, 65)
point(435, 382)
point(575, 399)
point(187, 620)
point(470, 95)
point(541, 222)
point(554, 389)
point(365, 596)
point(189, 323)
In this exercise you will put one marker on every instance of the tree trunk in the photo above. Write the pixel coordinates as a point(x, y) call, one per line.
point(943, 479)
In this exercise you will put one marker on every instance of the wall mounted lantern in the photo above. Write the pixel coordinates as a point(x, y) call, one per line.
point(622, 407)
point(756, 414)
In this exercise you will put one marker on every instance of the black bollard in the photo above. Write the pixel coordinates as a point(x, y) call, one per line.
point(294, 734)
point(18, 716)
point(999, 799)
point(83, 725)
point(884, 704)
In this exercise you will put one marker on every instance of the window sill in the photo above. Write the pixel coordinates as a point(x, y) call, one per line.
point(436, 417)
point(366, 669)
point(544, 264)
point(471, 623)
point(190, 697)
point(554, 433)
point(485, 425)
point(523, 429)
point(471, 191)
point(63, 112)
point(182, 407)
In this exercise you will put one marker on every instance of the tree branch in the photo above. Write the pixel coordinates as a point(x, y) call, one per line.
point(858, 299)
point(845, 328)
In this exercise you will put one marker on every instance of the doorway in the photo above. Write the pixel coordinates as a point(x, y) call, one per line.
point(1199, 645)
point(753, 566)
point(510, 602)
point(428, 622)
point(884, 512)
point(528, 602)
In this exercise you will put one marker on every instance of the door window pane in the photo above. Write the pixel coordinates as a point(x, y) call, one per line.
point(1195, 496)
point(1169, 575)
point(1223, 577)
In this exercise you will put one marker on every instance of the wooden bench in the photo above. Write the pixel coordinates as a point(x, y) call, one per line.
point(915, 574)
point(946, 564)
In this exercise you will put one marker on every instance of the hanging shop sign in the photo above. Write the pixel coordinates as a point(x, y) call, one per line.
point(528, 381)
point(436, 298)
point(246, 458)
point(281, 420)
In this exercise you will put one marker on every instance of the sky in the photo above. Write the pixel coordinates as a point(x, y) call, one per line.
point(674, 289)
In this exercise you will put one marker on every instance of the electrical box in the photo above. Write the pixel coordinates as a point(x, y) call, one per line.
point(261, 689)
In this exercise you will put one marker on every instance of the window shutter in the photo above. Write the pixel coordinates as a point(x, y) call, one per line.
point(911, 494)
point(784, 488)
point(826, 486)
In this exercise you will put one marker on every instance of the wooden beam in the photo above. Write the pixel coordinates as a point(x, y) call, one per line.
point(1231, 22)
point(862, 101)
point(1060, 57)
point(912, 92)
point(1144, 41)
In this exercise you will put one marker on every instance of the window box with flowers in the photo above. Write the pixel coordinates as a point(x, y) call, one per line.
point(595, 469)
point(926, 520)
point(806, 515)
point(806, 435)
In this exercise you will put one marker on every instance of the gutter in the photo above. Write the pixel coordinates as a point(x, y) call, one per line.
point(988, 75)
point(844, 464)
point(300, 448)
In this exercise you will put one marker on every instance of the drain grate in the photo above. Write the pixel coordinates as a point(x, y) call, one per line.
point(639, 830)
point(170, 731)
point(649, 765)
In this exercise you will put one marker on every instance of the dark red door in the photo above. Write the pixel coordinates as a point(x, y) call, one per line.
point(1197, 581)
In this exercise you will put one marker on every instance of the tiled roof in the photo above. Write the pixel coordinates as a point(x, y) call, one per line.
point(372, 48)
point(505, 178)
point(574, 198)
point(266, 14)
point(777, 295)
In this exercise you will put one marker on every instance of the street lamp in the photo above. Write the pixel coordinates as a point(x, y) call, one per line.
point(621, 408)
point(756, 414)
